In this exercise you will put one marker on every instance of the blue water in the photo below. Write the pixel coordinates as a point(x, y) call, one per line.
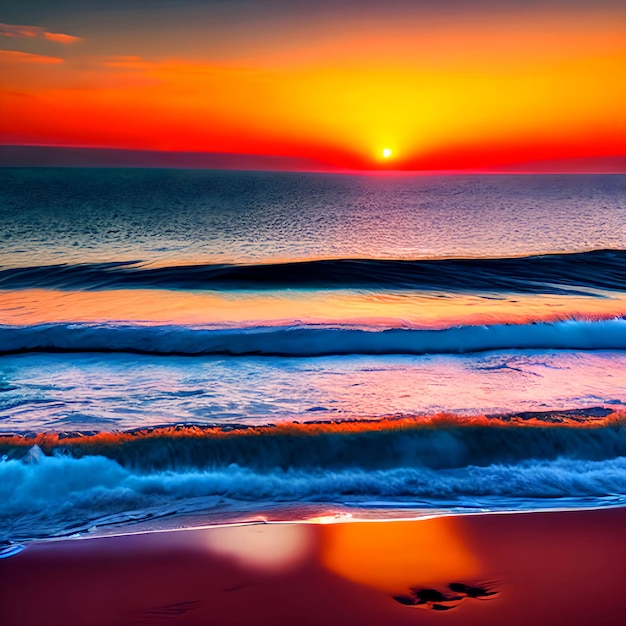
point(149, 303)
point(166, 217)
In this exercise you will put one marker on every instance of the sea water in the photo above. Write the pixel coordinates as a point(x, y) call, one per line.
point(225, 344)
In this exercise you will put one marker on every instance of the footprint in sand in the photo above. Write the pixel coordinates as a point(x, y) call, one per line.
point(428, 598)
point(476, 592)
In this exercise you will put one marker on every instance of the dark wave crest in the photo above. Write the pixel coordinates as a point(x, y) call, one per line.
point(551, 273)
point(439, 442)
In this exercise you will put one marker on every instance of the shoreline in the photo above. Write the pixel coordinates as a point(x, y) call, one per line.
point(551, 567)
point(274, 516)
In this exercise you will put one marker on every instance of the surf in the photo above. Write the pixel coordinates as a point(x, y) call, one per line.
point(309, 340)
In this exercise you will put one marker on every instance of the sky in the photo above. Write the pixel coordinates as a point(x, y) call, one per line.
point(431, 84)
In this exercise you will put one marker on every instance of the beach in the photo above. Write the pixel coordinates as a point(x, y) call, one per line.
point(562, 567)
point(312, 313)
point(291, 398)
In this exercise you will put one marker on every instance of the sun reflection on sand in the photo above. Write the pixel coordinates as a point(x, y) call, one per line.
point(424, 552)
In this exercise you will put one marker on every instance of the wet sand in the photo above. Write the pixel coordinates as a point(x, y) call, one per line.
point(515, 569)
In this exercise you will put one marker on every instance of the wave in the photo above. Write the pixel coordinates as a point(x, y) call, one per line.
point(60, 495)
point(442, 441)
point(64, 483)
point(312, 340)
point(573, 273)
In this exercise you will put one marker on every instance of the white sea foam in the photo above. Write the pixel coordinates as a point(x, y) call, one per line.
point(60, 495)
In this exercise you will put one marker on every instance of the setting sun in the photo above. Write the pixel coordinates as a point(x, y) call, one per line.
point(386, 153)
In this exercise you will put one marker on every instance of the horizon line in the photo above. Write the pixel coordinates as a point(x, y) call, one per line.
point(41, 155)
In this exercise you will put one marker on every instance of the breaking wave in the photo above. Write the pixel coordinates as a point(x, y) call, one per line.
point(58, 484)
point(312, 340)
point(443, 441)
point(59, 495)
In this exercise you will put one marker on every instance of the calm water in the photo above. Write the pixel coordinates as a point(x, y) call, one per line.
point(151, 320)
point(171, 216)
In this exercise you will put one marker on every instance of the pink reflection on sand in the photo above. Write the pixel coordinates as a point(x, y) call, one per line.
point(267, 547)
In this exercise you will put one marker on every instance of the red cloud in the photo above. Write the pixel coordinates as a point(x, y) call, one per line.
point(61, 38)
point(13, 30)
point(32, 32)
point(12, 57)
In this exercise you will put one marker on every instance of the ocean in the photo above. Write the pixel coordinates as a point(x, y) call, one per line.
point(184, 347)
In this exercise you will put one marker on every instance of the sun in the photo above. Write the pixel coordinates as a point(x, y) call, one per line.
point(387, 153)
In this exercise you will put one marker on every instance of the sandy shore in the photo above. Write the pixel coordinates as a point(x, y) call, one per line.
point(560, 568)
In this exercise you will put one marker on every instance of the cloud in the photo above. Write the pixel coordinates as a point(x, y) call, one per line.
point(35, 32)
point(171, 67)
point(61, 38)
point(13, 30)
point(127, 62)
point(13, 57)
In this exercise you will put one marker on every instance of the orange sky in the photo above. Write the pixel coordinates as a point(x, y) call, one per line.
point(440, 91)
